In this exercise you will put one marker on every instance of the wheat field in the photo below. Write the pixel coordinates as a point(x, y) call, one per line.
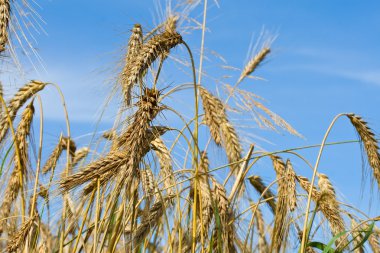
point(155, 184)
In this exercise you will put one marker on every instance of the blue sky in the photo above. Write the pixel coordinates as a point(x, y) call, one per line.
point(325, 61)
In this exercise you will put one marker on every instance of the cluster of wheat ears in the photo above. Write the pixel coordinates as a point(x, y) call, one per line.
point(139, 195)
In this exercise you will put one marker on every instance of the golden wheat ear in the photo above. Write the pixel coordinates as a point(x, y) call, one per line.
point(4, 23)
point(17, 101)
point(369, 141)
point(134, 45)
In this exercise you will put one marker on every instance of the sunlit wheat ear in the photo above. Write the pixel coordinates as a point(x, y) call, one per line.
point(110, 162)
point(17, 101)
point(134, 144)
point(20, 159)
point(374, 242)
point(290, 178)
point(79, 155)
point(149, 52)
point(51, 162)
point(22, 132)
point(63, 144)
point(281, 225)
point(134, 45)
point(370, 144)
point(330, 211)
point(204, 193)
point(214, 110)
point(327, 190)
point(260, 187)
point(232, 146)
point(358, 237)
point(254, 63)
point(260, 224)
point(165, 161)
point(148, 182)
point(4, 23)
point(19, 238)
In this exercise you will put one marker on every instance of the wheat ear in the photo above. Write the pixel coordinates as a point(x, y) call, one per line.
point(4, 23)
point(21, 158)
point(134, 45)
point(254, 63)
point(330, 211)
point(148, 53)
point(18, 238)
point(165, 162)
point(281, 226)
point(370, 144)
point(17, 102)
point(260, 187)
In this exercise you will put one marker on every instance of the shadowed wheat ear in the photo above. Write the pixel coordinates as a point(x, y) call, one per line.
point(260, 224)
point(254, 63)
point(17, 102)
point(134, 45)
point(20, 165)
point(4, 23)
point(149, 220)
point(260, 187)
point(370, 144)
point(17, 239)
point(281, 224)
point(226, 229)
